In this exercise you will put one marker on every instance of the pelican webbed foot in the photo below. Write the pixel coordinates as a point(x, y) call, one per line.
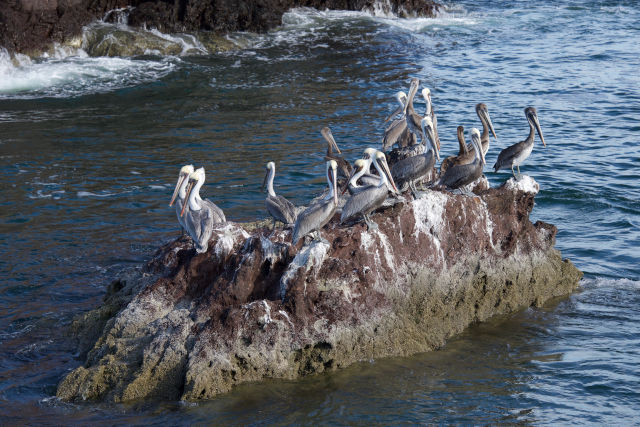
point(370, 224)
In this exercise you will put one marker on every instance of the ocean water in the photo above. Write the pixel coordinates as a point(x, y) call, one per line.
point(90, 149)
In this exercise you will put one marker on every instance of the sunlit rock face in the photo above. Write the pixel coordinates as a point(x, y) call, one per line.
point(190, 326)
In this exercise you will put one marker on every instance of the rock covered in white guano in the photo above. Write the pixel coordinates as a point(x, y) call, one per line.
point(190, 326)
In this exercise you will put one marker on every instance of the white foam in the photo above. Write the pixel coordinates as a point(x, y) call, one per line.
point(70, 73)
point(90, 194)
point(605, 282)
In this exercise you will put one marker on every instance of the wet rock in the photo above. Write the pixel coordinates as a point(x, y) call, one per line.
point(190, 326)
point(30, 26)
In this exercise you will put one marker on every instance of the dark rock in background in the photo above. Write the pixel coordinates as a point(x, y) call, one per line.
point(28, 26)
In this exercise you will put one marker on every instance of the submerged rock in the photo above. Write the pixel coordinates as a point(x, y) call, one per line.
point(190, 326)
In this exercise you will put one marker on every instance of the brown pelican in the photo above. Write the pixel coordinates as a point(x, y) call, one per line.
point(344, 168)
point(370, 197)
point(459, 175)
point(483, 114)
point(413, 168)
point(180, 192)
point(278, 207)
point(517, 153)
point(200, 215)
point(319, 214)
point(464, 155)
point(397, 132)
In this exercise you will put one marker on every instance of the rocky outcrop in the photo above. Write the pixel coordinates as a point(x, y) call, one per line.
point(31, 25)
point(190, 326)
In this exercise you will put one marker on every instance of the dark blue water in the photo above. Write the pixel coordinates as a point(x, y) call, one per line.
point(90, 149)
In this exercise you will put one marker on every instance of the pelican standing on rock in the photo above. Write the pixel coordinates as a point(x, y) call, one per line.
point(319, 214)
point(483, 114)
point(200, 215)
point(464, 155)
point(397, 132)
point(344, 168)
point(278, 207)
point(181, 193)
point(518, 153)
point(413, 168)
point(370, 197)
point(459, 175)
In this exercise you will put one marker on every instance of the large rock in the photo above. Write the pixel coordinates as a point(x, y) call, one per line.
point(30, 26)
point(190, 326)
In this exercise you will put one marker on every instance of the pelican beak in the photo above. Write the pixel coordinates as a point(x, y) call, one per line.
point(346, 187)
point(189, 188)
point(333, 175)
point(385, 168)
point(264, 181)
point(326, 132)
point(487, 118)
point(536, 123)
point(478, 147)
point(427, 132)
point(412, 92)
point(177, 189)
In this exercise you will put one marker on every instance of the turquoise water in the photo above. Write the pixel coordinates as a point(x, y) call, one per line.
point(90, 149)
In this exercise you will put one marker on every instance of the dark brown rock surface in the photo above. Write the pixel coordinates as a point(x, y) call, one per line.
point(190, 326)
point(31, 25)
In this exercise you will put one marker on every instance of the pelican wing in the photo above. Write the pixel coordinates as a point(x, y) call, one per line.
point(313, 218)
point(217, 215)
point(281, 209)
point(459, 175)
point(506, 156)
point(412, 168)
point(363, 202)
point(393, 133)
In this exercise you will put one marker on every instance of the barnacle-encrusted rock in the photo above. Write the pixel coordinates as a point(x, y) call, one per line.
point(190, 326)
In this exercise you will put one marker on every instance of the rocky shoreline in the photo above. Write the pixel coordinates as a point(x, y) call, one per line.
point(32, 26)
point(190, 326)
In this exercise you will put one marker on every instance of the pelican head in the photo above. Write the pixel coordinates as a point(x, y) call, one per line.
point(185, 171)
point(475, 140)
point(483, 113)
point(326, 132)
point(402, 99)
point(427, 132)
point(194, 177)
point(359, 165)
point(332, 177)
point(270, 167)
point(369, 153)
point(532, 117)
point(381, 159)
